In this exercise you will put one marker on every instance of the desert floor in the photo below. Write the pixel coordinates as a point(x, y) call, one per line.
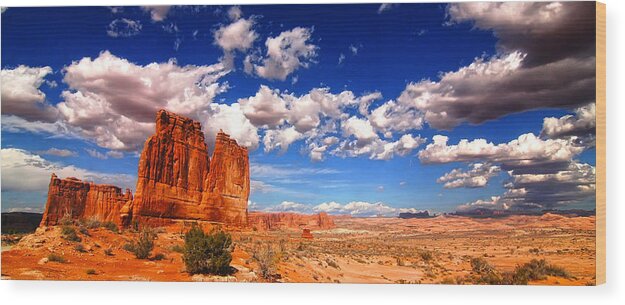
point(358, 250)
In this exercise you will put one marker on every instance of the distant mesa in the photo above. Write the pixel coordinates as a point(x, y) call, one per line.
point(423, 214)
point(278, 221)
point(498, 213)
point(20, 222)
point(177, 181)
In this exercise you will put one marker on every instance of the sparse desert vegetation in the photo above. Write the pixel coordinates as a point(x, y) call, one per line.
point(533, 270)
point(207, 253)
point(143, 245)
point(53, 257)
point(69, 233)
point(267, 259)
point(443, 250)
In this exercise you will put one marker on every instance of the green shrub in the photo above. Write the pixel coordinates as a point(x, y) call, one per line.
point(159, 257)
point(92, 223)
point(426, 256)
point(111, 226)
point(522, 275)
point(207, 253)
point(80, 248)
point(52, 257)
point(143, 245)
point(492, 278)
point(177, 248)
point(129, 247)
point(70, 234)
point(538, 270)
point(481, 266)
point(83, 231)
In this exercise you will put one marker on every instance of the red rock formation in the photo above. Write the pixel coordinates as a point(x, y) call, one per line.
point(306, 234)
point(227, 189)
point(80, 200)
point(172, 169)
point(175, 181)
point(277, 221)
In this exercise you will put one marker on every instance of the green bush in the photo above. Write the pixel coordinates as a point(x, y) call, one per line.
point(159, 257)
point(84, 231)
point(111, 226)
point(426, 256)
point(207, 253)
point(481, 266)
point(538, 270)
point(177, 248)
point(130, 247)
point(80, 248)
point(92, 223)
point(143, 245)
point(522, 275)
point(52, 257)
point(70, 234)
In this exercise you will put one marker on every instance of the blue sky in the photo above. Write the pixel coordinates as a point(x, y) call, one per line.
point(437, 70)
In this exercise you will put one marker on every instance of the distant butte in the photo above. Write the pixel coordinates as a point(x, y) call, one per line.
point(176, 181)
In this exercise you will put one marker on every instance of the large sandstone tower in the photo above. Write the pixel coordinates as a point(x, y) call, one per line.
point(176, 181)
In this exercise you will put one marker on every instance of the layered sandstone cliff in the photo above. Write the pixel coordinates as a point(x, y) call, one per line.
point(278, 221)
point(227, 189)
point(176, 181)
point(76, 199)
point(172, 169)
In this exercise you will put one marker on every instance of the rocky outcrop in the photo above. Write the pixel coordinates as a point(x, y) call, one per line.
point(279, 221)
point(172, 169)
point(227, 189)
point(77, 199)
point(176, 180)
point(306, 234)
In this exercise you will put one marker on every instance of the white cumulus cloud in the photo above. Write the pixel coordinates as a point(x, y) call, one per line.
point(579, 127)
point(286, 53)
point(238, 35)
point(477, 176)
point(157, 12)
point(232, 120)
point(19, 163)
point(114, 101)
point(266, 108)
point(21, 95)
